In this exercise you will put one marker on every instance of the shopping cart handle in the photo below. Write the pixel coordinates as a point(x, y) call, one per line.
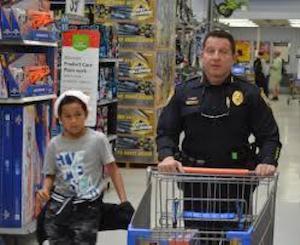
point(216, 171)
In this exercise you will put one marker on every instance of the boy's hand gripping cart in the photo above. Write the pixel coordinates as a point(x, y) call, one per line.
point(205, 206)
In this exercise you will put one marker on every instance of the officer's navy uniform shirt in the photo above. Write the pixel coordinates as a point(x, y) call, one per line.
point(217, 122)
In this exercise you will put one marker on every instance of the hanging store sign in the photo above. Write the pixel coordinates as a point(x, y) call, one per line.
point(75, 7)
point(80, 65)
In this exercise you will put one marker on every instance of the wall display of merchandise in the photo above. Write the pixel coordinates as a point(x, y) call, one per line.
point(27, 20)
point(28, 82)
point(146, 35)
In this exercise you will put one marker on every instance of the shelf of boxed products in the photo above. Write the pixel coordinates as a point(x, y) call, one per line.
point(25, 100)
point(27, 20)
point(63, 2)
point(109, 60)
point(104, 102)
point(27, 43)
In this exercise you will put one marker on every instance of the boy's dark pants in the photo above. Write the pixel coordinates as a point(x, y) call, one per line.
point(79, 225)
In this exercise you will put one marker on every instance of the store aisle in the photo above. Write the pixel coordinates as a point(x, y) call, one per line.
point(288, 198)
point(288, 194)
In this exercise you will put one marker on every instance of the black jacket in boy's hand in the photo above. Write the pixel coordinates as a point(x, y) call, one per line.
point(115, 216)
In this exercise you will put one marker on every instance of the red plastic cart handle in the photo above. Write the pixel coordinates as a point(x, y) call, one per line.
point(216, 171)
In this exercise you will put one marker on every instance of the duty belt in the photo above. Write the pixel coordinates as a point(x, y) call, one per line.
point(191, 161)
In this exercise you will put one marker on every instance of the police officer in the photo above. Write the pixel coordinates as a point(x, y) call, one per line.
point(217, 113)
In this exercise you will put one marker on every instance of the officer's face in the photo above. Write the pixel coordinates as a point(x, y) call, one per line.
point(217, 59)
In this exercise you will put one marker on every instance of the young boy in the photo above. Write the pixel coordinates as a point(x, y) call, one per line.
point(74, 165)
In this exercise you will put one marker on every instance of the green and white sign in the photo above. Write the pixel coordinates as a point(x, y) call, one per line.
point(80, 65)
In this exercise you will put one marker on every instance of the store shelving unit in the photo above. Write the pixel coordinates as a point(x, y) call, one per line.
point(25, 126)
point(110, 103)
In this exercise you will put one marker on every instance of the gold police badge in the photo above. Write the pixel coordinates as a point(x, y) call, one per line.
point(237, 97)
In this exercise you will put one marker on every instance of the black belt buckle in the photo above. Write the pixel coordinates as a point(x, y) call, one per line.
point(64, 213)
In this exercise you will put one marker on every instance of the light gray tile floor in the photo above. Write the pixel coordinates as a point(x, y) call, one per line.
point(287, 227)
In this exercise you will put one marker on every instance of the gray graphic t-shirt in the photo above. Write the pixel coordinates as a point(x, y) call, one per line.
point(78, 164)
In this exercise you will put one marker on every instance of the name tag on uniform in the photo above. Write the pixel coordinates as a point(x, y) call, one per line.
point(192, 101)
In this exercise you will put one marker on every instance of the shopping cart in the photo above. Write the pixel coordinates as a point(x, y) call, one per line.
point(294, 91)
point(205, 206)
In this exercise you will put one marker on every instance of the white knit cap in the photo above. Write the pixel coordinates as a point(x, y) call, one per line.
point(76, 93)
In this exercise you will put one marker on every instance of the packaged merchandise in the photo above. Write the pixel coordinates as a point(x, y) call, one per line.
point(27, 74)
point(135, 149)
point(107, 83)
point(135, 10)
point(136, 93)
point(102, 119)
point(28, 20)
point(137, 35)
point(23, 150)
point(136, 65)
point(3, 87)
point(135, 121)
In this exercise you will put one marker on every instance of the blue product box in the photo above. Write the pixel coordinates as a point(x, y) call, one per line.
point(17, 122)
point(24, 135)
point(6, 30)
point(7, 181)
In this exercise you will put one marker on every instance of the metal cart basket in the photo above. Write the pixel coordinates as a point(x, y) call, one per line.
point(205, 206)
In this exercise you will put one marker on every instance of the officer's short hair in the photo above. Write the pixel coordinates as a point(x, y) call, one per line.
point(220, 34)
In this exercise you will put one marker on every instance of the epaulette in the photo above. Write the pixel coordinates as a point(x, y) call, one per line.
point(240, 79)
point(188, 81)
point(192, 78)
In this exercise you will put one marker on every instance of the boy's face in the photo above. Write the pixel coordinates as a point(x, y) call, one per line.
point(73, 119)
